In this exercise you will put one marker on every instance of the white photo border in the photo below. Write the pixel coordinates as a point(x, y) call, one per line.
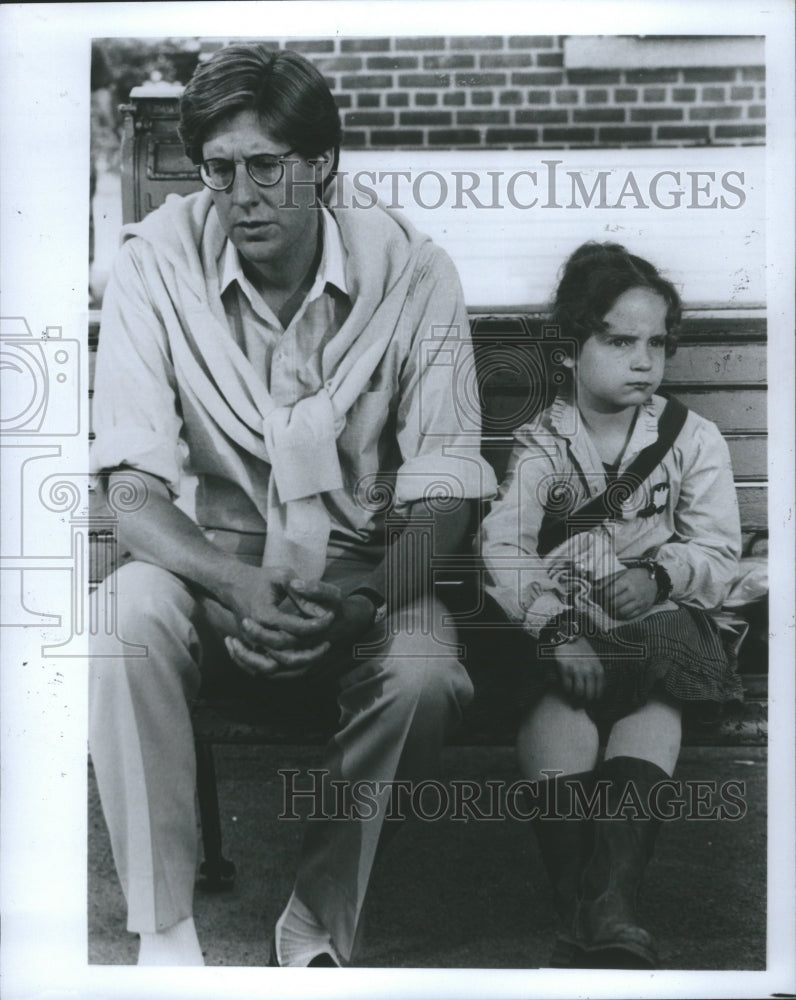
point(44, 95)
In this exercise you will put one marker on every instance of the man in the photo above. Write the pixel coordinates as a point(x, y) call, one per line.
point(300, 362)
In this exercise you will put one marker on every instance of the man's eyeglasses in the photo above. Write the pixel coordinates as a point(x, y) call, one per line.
point(264, 169)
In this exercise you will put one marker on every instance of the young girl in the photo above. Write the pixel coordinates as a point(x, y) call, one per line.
point(613, 596)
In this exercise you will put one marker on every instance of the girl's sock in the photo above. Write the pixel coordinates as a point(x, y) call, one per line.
point(299, 936)
point(177, 945)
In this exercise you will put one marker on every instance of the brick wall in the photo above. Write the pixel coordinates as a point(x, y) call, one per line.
point(515, 91)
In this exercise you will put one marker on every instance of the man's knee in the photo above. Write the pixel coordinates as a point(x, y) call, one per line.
point(440, 688)
point(147, 646)
point(422, 664)
point(147, 640)
point(138, 601)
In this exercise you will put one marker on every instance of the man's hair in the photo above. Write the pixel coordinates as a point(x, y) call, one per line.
point(593, 279)
point(284, 89)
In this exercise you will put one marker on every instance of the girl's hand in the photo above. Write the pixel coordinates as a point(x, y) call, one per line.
point(628, 594)
point(579, 669)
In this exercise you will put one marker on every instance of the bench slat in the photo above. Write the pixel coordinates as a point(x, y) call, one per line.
point(715, 364)
point(749, 455)
point(753, 506)
point(732, 410)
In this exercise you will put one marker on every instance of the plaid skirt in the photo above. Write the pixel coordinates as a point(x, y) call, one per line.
point(675, 654)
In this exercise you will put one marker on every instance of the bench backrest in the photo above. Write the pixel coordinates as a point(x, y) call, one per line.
point(508, 256)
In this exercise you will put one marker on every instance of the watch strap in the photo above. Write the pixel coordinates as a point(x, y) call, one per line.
point(376, 599)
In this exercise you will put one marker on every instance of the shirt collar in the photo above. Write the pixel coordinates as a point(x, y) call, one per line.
point(331, 269)
point(563, 416)
point(564, 420)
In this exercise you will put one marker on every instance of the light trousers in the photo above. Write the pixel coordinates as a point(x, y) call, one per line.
point(397, 706)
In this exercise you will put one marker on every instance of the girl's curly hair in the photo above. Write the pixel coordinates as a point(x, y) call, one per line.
point(592, 280)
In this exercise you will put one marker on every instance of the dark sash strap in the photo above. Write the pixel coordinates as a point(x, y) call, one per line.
point(608, 505)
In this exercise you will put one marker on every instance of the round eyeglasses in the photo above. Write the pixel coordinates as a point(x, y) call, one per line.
point(263, 168)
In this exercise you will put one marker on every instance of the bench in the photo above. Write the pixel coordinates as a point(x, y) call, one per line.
point(719, 371)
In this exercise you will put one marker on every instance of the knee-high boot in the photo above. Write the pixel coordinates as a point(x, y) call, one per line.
point(606, 922)
point(563, 834)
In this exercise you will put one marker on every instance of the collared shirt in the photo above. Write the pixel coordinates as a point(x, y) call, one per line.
point(684, 514)
point(180, 370)
point(289, 358)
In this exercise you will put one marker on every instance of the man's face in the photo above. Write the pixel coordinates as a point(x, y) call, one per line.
point(269, 226)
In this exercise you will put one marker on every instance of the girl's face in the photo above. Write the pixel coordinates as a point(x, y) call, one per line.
point(623, 366)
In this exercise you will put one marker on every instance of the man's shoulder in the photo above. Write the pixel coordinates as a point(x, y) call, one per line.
point(388, 228)
point(178, 218)
point(179, 237)
point(385, 250)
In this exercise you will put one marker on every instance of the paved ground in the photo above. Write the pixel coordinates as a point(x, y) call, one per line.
point(456, 895)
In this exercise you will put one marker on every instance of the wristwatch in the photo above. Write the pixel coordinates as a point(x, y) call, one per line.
point(658, 574)
point(559, 630)
point(376, 599)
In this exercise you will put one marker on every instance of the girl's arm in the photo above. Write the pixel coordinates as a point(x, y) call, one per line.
point(703, 560)
point(515, 575)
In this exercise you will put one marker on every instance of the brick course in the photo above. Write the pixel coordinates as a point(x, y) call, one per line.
point(630, 135)
point(458, 61)
point(365, 45)
point(550, 59)
point(532, 42)
point(425, 118)
point(599, 114)
point(393, 62)
point(652, 76)
point(360, 118)
point(495, 90)
point(712, 74)
point(656, 114)
point(419, 44)
point(506, 136)
point(541, 115)
point(483, 117)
